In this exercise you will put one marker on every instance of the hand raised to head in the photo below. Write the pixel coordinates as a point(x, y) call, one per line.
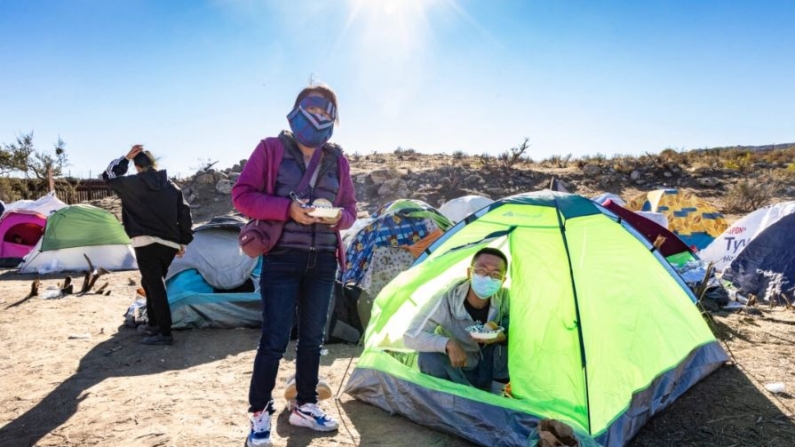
point(136, 149)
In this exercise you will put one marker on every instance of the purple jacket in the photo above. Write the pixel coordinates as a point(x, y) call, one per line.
point(253, 196)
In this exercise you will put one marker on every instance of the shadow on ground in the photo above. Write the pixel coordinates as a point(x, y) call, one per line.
point(120, 356)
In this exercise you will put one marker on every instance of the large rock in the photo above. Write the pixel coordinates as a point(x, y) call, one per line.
point(380, 176)
point(205, 179)
point(591, 170)
point(224, 186)
point(395, 187)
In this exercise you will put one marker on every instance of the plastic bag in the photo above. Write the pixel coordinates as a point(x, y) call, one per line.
point(136, 313)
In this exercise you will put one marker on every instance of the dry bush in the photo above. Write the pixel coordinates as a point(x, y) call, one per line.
point(778, 157)
point(748, 195)
point(486, 160)
point(704, 158)
point(672, 157)
point(514, 155)
point(622, 163)
point(786, 175)
point(8, 190)
point(740, 161)
point(557, 161)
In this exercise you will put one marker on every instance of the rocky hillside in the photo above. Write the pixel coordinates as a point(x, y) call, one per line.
point(736, 180)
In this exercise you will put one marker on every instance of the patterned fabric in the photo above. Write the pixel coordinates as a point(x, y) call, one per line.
point(400, 223)
point(690, 217)
point(385, 265)
point(312, 129)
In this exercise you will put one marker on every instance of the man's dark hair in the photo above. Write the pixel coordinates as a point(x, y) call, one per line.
point(493, 252)
point(145, 160)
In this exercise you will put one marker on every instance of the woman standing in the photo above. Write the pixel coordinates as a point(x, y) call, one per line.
point(158, 221)
point(298, 273)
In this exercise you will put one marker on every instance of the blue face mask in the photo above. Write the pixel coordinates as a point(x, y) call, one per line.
point(484, 286)
point(312, 129)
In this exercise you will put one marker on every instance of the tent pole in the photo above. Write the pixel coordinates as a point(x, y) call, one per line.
point(562, 227)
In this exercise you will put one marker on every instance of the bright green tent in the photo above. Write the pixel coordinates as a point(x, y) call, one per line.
point(82, 226)
point(603, 333)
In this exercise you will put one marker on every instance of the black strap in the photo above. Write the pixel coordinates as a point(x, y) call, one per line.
point(310, 170)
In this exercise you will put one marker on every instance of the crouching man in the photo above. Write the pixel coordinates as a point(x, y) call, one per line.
point(447, 349)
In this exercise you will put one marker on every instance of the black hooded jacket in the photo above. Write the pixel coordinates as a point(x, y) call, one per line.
point(151, 204)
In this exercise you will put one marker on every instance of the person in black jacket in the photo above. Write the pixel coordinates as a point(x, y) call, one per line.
point(158, 221)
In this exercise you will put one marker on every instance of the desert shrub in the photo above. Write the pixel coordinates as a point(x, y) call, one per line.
point(407, 151)
point(748, 195)
point(740, 161)
point(458, 155)
point(704, 158)
point(786, 175)
point(486, 160)
point(783, 156)
point(557, 161)
point(512, 156)
point(623, 164)
point(672, 157)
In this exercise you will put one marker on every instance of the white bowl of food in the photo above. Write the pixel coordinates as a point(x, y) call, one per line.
point(324, 208)
point(484, 332)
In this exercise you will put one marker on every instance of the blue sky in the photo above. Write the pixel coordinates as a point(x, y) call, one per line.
point(197, 81)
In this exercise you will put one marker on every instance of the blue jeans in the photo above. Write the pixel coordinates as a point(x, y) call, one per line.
point(437, 364)
point(293, 283)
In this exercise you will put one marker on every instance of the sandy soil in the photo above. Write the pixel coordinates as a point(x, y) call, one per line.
point(60, 388)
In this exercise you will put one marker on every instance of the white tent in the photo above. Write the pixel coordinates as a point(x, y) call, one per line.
point(77, 231)
point(109, 257)
point(215, 254)
point(44, 205)
point(605, 196)
point(728, 245)
point(459, 208)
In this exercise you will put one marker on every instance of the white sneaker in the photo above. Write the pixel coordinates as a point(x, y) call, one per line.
point(311, 416)
point(260, 435)
point(323, 389)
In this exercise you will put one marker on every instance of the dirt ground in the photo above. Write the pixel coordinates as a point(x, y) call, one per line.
point(72, 375)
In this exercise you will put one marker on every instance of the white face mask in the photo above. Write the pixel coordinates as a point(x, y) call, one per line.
point(484, 286)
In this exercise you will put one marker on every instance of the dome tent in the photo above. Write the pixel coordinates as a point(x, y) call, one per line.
point(459, 208)
point(731, 242)
point(590, 344)
point(766, 267)
point(379, 249)
point(77, 231)
point(213, 284)
point(674, 250)
point(20, 231)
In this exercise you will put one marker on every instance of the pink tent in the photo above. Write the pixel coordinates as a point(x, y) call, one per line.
point(19, 232)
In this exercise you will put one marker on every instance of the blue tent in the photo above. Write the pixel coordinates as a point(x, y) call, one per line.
point(214, 285)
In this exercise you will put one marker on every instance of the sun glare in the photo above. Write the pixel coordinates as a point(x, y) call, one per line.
point(393, 25)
